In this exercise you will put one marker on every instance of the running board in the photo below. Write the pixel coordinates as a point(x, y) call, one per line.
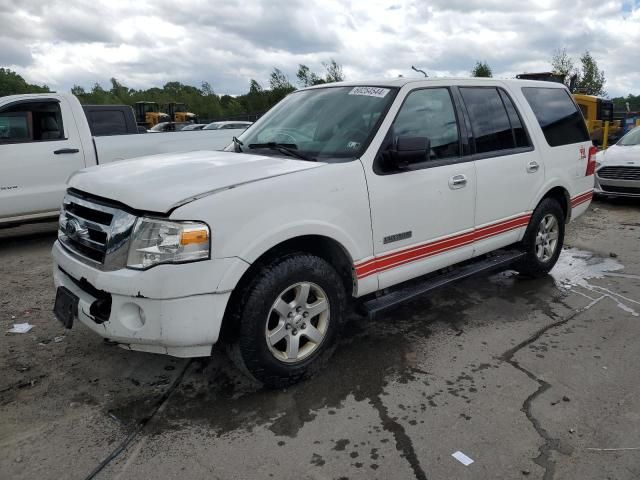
point(402, 294)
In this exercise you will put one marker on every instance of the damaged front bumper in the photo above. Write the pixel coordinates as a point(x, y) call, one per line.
point(161, 310)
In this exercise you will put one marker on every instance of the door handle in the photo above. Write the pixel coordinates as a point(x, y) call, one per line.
point(66, 150)
point(457, 181)
point(533, 166)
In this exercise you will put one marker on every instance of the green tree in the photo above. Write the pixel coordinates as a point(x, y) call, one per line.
point(13, 84)
point(78, 91)
point(481, 69)
point(563, 64)
point(307, 78)
point(620, 103)
point(591, 80)
point(118, 91)
point(100, 96)
point(334, 71)
point(280, 86)
point(279, 81)
point(207, 89)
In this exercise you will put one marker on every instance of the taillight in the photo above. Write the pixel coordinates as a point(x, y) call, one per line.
point(591, 162)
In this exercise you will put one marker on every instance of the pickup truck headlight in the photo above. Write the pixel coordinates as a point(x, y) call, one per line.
point(156, 241)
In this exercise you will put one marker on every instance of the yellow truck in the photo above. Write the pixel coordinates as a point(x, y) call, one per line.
point(178, 112)
point(597, 111)
point(148, 114)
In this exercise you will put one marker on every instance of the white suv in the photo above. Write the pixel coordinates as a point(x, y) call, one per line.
point(341, 192)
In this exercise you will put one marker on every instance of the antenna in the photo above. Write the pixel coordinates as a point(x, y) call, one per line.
point(418, 70)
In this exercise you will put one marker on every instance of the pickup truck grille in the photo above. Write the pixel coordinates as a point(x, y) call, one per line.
point(95, 232)
point(620, 173)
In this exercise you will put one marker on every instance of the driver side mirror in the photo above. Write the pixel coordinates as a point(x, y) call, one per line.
point(408, 150)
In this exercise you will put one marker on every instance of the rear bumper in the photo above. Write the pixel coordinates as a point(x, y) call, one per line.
point(182, 326)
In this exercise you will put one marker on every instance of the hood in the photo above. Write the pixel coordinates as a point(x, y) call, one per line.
point(160, 183)
point(617, 155)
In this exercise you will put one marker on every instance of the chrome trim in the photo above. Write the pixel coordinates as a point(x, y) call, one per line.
point(110, 254)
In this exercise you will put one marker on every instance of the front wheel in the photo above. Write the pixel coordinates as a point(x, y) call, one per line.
point(543, 240)
point(289, 317)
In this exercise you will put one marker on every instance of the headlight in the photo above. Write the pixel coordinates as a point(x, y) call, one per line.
point(156, 241)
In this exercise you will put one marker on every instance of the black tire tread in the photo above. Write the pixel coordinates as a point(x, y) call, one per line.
point(247, 315)
point(530, 265)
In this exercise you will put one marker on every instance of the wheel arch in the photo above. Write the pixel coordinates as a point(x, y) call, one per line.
point(561, 195)
point(321, 246)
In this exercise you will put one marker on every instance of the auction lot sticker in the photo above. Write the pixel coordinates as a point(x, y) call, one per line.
point(370, 91)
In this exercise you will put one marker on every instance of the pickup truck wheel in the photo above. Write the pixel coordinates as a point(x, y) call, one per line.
point(289, 317)
point(543, 239)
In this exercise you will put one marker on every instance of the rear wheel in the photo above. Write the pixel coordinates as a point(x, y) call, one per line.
point(543, 240)
point(289, 317)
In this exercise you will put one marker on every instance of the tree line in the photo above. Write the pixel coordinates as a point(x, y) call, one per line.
point(204, 102)
point(589, 77)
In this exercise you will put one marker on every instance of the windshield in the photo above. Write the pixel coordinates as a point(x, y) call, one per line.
point(323, 123)
point(212, 126)
point(631, 138)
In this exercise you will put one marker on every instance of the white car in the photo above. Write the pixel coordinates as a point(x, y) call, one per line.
point(228, 125)
point(618, 171)
point(341, 193)
point(193, 126)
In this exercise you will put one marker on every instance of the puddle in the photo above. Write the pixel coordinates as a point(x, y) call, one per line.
point(575, 268)
point(215, 394)
point(372, 356)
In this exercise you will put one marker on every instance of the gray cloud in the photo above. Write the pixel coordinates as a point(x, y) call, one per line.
point(149, 42)
point(14, 53)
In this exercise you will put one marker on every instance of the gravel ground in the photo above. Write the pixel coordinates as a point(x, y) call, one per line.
point(529, 378)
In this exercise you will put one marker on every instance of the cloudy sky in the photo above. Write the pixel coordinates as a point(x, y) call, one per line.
point(146, 43)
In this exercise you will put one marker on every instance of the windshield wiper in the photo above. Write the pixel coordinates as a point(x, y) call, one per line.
point(290, 149)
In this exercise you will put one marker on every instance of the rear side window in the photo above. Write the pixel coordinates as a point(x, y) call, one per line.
point(108, 122)
point(489, 119)
point(560, 120)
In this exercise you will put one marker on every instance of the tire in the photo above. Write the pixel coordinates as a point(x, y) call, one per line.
point(538, 260)
point(272, 315)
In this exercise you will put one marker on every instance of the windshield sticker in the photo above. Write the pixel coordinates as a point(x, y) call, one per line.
point(353, 145)
point(370, 91)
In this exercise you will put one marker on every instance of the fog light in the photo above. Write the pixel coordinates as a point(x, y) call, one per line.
point(132, 316)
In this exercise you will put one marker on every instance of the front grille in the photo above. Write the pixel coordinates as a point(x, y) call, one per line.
point(620, 173)
point(96, 233)
point(97, 216)
point(628, 190)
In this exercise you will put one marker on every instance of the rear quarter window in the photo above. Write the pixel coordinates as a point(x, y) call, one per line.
point(108, 122)
point(560, 120)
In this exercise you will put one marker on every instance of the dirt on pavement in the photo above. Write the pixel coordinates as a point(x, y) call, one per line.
point(529, 378)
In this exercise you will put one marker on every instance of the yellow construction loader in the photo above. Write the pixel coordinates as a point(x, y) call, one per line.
point(596, 111)
point(178, 113)
point(148, 114)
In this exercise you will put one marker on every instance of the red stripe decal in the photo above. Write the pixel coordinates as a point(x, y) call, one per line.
point(417, 252)
point(411, 254)
point(582, 198)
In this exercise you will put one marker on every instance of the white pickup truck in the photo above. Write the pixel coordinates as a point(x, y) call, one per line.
point(44, 138)
point(363, 192)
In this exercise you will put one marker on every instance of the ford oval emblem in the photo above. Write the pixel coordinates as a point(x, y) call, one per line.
point(74, 230)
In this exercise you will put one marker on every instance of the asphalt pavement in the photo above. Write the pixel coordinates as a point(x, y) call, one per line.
point(532, 379)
